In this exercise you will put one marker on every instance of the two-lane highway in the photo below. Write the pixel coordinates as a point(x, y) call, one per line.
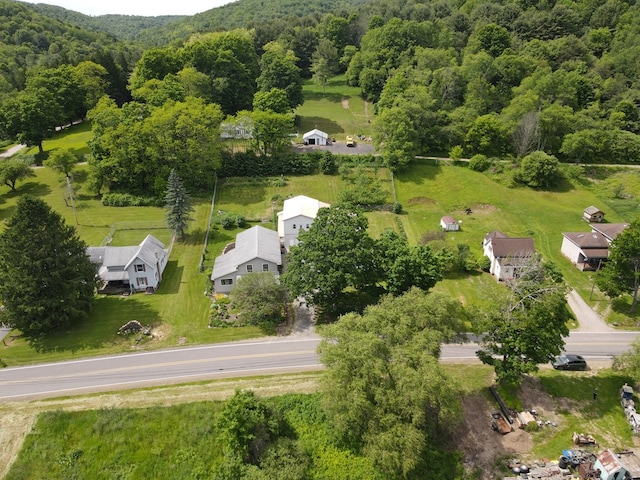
point(261, 357)
point(158, 368)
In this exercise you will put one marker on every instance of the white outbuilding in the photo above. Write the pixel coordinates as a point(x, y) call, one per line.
point(315, 137)
point(298, 213)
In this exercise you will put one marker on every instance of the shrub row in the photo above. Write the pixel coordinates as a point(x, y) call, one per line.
point(129, 200)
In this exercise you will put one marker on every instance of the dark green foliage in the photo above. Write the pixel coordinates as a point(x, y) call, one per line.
point(539, 170)
point(249, 164)
point(11, 171)
point(246, 426)
point(384, 392)
point(621, 273)
point(260, 299)
point(328, 164)
point(479, 163)
point(128, 200)
point(177, 204)
point(527, 326)
point(46, 280)
point(363, 189)
point(397, 208)
point(494, 39)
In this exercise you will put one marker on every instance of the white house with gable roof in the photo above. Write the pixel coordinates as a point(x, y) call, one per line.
point(138, 268)
point(255, 250)
point(298, 213)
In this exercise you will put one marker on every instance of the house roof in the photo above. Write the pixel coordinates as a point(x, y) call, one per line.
point(302, 205)
point(592, 210)
point(256, 242)
point(315, 132)
point(512, 247)
point(448, 219)
point(149, 251)
point(609, 230)
point(119, 258)
point(587, 240)
point(495, 234)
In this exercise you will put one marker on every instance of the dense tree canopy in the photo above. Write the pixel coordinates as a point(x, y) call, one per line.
point(621, 273)
point(46, 280)
point(527, 326)
point(384, 391)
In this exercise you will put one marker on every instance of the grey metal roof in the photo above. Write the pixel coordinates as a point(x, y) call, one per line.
point(592, 210)
point(256, 242)
point(119, 258)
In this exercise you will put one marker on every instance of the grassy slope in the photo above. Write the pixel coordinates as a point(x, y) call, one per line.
point(339, 111)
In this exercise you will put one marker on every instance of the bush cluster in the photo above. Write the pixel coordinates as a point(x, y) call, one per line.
point(248, 164)
point(129, 200)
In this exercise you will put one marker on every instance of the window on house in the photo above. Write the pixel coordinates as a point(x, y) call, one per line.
point(294, 226)
point(141, 281)
point(226, 281)
point(249, 268)
point(265, 267)
point(307, 226)
point(140, 267)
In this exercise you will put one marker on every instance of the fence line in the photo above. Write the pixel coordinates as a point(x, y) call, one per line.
point(131, 226)
point(206, 235)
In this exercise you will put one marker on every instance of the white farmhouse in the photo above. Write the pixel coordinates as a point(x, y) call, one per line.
point(507, 254)
point(298, 213)
point(255, 250)
point(136, 268)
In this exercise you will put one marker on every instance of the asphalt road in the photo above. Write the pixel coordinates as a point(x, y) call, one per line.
point(260, 357)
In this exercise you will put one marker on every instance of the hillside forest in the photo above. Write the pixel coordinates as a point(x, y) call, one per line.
point(499, 79)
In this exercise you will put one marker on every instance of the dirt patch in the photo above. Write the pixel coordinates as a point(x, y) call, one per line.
point(483, 448)
point(483, 208)
point(421, 201)
point(345, 103)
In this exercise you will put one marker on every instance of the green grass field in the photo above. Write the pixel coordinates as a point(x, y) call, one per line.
point(164, 440)
point(339, 110)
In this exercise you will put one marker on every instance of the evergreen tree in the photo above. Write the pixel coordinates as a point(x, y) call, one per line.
point(178, 205)
point(46, 279)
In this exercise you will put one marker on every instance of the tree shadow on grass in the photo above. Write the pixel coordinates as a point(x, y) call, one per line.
point(35, 189)
point(427, 170)
point(171, 279)
point(100, 330)
point(242, 194)
point(321, 123)
point(624, 318)
point(194, 237)
point(331, 97)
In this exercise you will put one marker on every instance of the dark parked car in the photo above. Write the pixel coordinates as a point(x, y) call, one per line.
point(569, 362)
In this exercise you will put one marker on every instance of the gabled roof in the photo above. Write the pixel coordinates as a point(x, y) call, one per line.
point(302, 205)
point(512, 247)
point(495, 234)
point(149, 251)
point(315, 132)
point(448, 219)
point(119, 258)
point(592, 210)
point(609, 230)
point(587, 240)
point(256, 242)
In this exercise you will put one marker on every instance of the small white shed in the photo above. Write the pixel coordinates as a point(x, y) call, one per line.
point(315, 137)
point(449, 224)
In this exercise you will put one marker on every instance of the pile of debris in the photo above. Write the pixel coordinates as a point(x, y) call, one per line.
point(626, 400)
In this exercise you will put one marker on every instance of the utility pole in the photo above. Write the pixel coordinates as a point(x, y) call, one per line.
point(73, 205)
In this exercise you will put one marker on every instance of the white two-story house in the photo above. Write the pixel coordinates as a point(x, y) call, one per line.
point(298, 213)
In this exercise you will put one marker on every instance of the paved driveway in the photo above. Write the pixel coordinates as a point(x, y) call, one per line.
point(361, 148)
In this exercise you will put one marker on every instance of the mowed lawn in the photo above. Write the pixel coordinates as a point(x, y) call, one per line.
point(338, 111)
point(178, 311)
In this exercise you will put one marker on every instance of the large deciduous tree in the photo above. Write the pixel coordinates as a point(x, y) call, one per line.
point(13, 170)
point(384, 392)
point(396, 138)
point(526, 327)
point(333, 254)
point(62, 161)
point(260, 299)
point(177, 204)
point(278, 69)
point(46, 280)
point(539, 170)
point(621, 273)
